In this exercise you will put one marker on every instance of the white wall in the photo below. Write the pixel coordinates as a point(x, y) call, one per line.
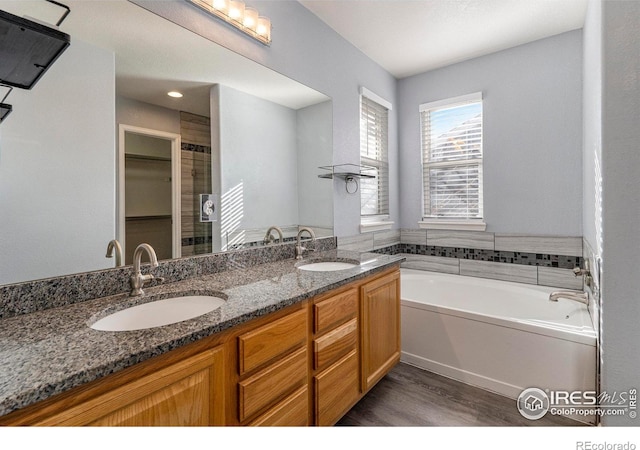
point(307, 50)
point(145, 115)
point(57, 169)
point(315, 200)
point(258, 152)
point(621, 199)
point(592, 126)
point(532, 96)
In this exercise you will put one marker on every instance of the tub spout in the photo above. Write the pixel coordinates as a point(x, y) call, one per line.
point(580, 297)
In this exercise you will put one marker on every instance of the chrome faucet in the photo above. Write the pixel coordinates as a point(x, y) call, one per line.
point(137, 279)
point(269, 239)
point(580, 297)
point(114, 245)
point(299, 248)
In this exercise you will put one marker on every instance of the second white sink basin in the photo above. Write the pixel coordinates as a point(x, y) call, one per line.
point(159, 313)
point(327, 266)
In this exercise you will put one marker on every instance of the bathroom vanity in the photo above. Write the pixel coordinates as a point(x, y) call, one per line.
point(288, 347)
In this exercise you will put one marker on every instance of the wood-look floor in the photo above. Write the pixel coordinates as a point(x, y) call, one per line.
point(409, 396)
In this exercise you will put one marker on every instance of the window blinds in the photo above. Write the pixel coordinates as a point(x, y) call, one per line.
point(374, 124)
point(452, 158)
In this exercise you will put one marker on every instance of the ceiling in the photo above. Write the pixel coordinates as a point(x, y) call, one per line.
point(154, 56)
point(407, 37)
point(403, 36)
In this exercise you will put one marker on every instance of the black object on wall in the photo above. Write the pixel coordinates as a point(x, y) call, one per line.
point(27, 49)
point(5, 109)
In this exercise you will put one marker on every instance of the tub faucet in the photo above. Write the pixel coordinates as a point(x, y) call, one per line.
point(580, 297)
point(137, 279)
point(269, 239)
point(114, 245)
point(299, 248)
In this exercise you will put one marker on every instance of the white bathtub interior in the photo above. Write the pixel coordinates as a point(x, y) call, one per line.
point(497, 335)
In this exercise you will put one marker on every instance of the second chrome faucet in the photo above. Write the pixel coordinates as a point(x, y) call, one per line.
point(137, 279)
point(268, 238)
point(299, 248)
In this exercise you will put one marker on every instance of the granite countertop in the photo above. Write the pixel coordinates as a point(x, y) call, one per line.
point(48, 352)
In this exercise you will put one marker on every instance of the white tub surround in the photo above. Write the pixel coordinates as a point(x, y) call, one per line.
point(545, 260)
point(500, 336)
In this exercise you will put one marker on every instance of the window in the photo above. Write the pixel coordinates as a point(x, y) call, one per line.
point(452, 163)
point(374, 124)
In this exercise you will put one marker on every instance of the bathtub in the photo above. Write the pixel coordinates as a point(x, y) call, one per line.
point(497, 335)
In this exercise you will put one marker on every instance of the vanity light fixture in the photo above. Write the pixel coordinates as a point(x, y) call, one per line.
point(174, 94)
point(236, 14)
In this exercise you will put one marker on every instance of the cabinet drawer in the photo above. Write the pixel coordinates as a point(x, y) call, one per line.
point(334, 310)
point(263, 344)
point(337, 389)
point(272, 383)
point(335, 344)
point(291, 412)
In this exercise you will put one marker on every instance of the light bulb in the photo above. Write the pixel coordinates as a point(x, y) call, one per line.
point(264, 27)
point(221, 5)
point(250, 18)
point(236, 10)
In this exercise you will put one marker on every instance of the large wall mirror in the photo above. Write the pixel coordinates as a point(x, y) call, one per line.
point(89, 154)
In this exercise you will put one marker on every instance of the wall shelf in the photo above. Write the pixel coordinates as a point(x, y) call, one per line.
point(350, 173)
point(347, 171)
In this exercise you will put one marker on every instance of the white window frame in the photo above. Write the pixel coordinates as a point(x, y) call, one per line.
point(377, 222)
point(448, 223)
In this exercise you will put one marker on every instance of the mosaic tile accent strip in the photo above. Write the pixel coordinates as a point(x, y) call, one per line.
point(527, 259)
point(196, 240)
point(195, 148)
point(258, 243)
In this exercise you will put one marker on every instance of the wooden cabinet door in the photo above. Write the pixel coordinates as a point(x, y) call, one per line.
point(336, 390)
point(187, 393)
point(380, 350)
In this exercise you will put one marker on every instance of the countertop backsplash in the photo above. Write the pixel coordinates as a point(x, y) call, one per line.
point(31, 296)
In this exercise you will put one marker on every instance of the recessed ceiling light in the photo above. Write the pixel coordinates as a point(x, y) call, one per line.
point(174, 94)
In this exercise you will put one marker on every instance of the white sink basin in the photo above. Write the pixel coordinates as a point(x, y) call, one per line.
point(327, 266)
point(159, 313)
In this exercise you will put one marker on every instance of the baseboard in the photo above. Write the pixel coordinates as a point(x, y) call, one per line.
point(470, 378)
point(489, 384)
